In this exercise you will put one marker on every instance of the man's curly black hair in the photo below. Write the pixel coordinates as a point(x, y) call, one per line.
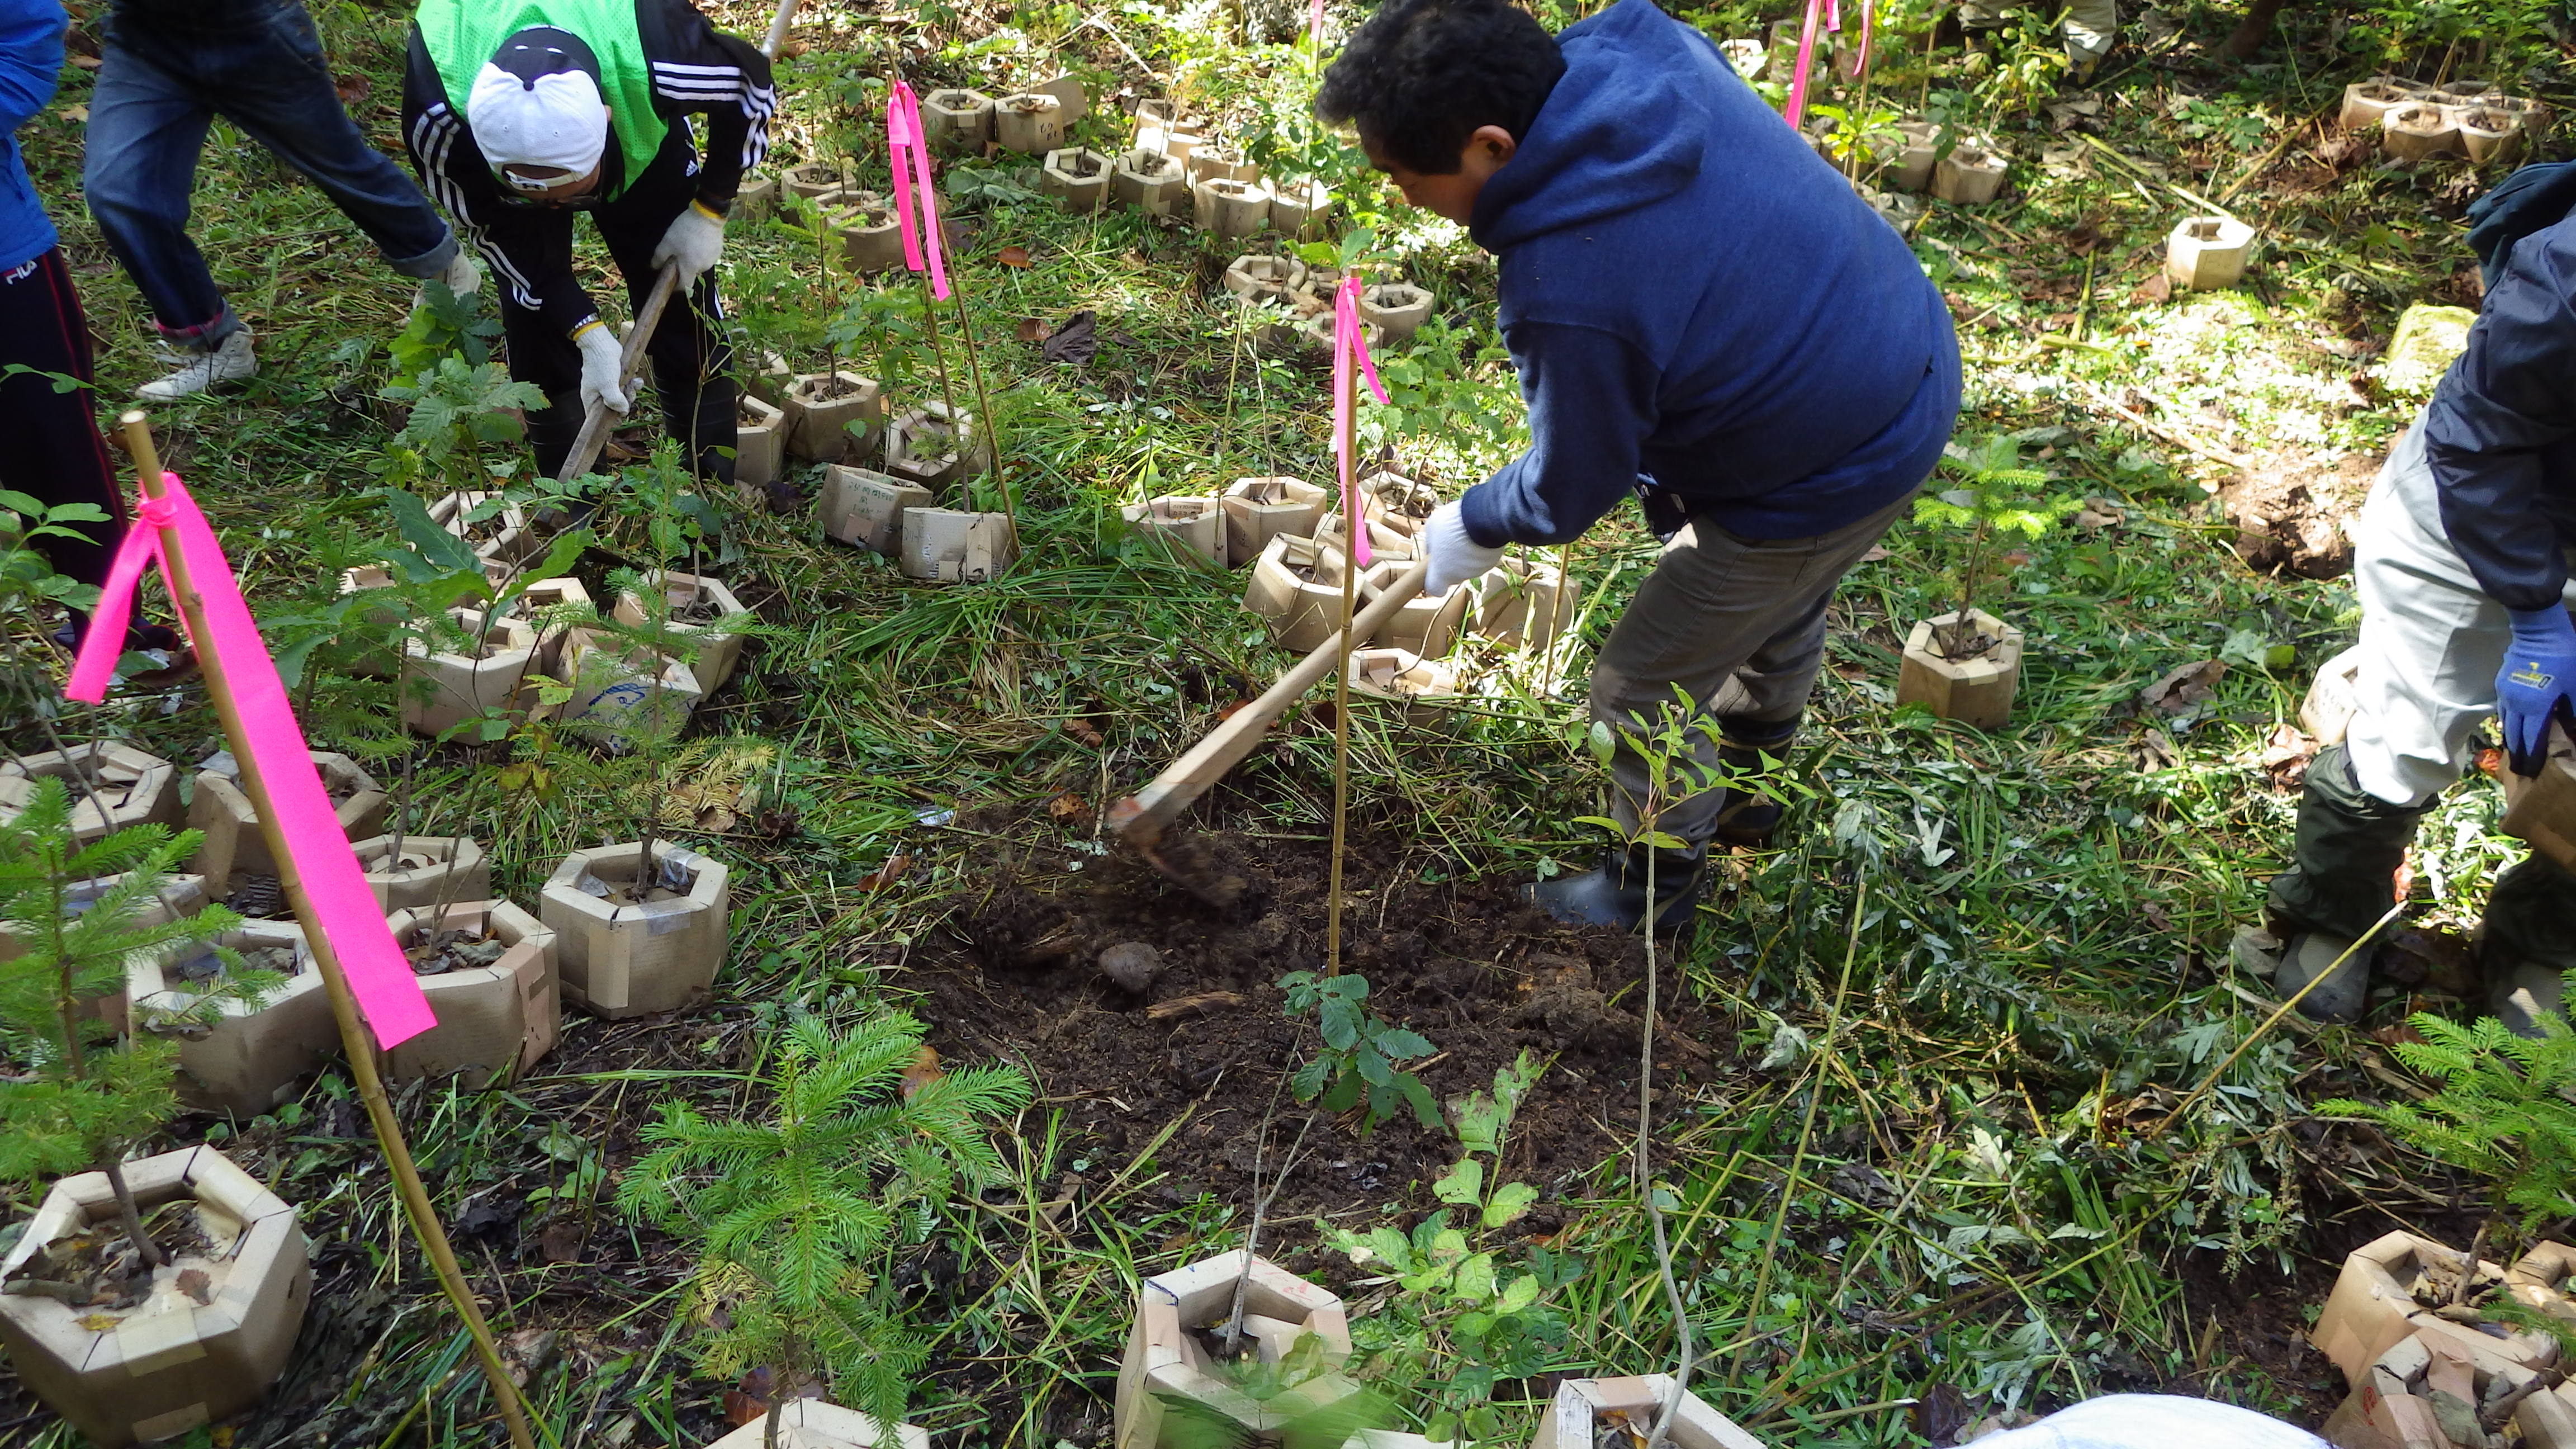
point(1422, 75)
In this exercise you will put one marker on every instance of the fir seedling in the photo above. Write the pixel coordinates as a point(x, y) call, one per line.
point(1358, 1063)
point(1995, 500)
point(2500, 1111)
point(796, 1213)
point(82, 1096)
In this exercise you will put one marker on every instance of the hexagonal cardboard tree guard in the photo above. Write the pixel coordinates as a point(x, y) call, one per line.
point(618, 959)
point(1166, 1359)
point(1194, 524)
point(112, 786)
point(171, 1363)
point(865, 507)
point(1975, 691)
point(1296, 588)
point(495, 1020)
point(233, 845)
point(957, 120)
point(818, 426)
point(250, 1057)
point(1523, 602)
point(1029, 124)
point(619, 684)
point(718, 652)
point(1584, 1408)
point(1427, 624)
point(462, 686)
point(1422, 689)
point(2542, 810)
point(951, 546)
point(1258, 510)
point(1077, 177)
point(814, 1424)
point(759, 441)
point(2373, 1309)
point(430, 868)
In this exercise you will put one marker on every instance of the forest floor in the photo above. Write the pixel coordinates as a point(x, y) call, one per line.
point(1917, 1100)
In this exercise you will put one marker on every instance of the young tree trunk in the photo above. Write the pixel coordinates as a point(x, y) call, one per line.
point(130, 1211)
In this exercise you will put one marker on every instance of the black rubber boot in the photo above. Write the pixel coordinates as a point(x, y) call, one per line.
point(2527, 943)
point(2341, 880)
point(1748, 818)
point(1614, 892)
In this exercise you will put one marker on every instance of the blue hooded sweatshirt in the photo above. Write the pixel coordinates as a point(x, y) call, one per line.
point(1692, 295)
point(31, 57)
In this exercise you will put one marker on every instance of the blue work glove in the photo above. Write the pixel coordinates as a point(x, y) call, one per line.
point(2538, 680)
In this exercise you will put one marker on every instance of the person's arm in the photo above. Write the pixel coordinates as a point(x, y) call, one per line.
point(31, 57)
point(536, 270)
point(1591, 400)
point(2505, 401)
point(699, 69)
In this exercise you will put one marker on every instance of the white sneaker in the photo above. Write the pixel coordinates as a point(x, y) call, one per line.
point(199, 371)
point(462, 277)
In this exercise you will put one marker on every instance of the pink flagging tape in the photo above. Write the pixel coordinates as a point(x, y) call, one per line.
point(906, 145)
point(389, 995)
point(1834, 16)
point(1866, 6)
point(1796, 114)
point(1315, 26)
point(1350, 345)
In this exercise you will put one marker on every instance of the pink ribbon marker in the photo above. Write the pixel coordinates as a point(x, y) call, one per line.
point(389, 995)
point(1797, 110)
point(904, 140)
point(1865, 8)
point(1315, 26)
point(1350, 344)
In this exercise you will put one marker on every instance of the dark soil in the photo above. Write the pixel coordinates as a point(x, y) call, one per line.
point(280, 959)
point(826, 389)
point(258, 897)
point(2294, 516)
point(1015, 976)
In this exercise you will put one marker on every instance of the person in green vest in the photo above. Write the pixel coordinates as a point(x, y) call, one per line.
point(519, 113)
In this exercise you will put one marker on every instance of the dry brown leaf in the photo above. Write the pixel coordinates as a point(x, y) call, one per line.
point(2157, 288)
point(562, 1241)
point(195, 1283)
point(1013, 257)
point(886, 874)
point(923, 1071)
point(1034, 330)
point(1070, 808)
point(1083, 733)
point(2182, 688)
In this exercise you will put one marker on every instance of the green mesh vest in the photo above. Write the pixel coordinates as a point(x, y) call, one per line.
point(461, 35)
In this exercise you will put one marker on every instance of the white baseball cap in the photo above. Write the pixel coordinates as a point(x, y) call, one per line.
point(536, 103)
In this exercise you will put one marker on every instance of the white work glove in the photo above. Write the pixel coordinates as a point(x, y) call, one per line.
point(599, 369)
point(695, 238)
point(1455, 558)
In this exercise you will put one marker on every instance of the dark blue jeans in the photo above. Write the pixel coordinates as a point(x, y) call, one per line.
point(167, 70)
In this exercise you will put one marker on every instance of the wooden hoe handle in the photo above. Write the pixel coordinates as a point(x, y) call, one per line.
point(594, 428)
point(1139, 819)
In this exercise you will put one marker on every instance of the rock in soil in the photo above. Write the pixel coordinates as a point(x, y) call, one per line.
point(1131, 964)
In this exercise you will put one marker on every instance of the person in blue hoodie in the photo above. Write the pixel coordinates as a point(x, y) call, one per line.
point(1703, 314)
point(54, 454)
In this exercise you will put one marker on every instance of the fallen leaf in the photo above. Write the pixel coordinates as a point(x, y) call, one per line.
point(98, 1322)
point(530, 1351)
point(1874, 555)
point(2156, 916)
point(2017, 558)
point(1033, 330)
point(886, 874)
point(1068, 806)
point(1073, 343)
point(195, 1283)
point(562, 1241)
point(923, 1071)
point(354, 88)
point(1083, 733)
point(77, 115)
point(2157, 288)
point(2182, 688)
point(1226, 711)
point(2396, 1034)
point(2156, 750)
point(2099, 513)
point(1013, 257)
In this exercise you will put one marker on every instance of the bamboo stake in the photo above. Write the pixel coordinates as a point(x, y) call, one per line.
point(984, 408)
point(1355, 528)
point(354, 1038)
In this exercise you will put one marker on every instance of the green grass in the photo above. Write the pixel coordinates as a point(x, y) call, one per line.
point(2033, 923)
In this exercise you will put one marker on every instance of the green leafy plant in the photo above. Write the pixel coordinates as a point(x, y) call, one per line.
point(444, 326)
point(796, 1213)
point(1461, 1319)
point(2501, 1108)
point(82, 1095)
point(1358, 1063)
point(1994, 499)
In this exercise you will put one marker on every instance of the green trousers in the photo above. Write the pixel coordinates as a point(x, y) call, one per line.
point(2342, 876)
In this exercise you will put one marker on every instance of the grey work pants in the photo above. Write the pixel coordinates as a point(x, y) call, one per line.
point(1739, 625)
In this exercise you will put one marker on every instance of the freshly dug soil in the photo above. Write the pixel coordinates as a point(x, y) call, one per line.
point(829, 388)
point(1015, 975)
point(455, 951)
point(2292, 515)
